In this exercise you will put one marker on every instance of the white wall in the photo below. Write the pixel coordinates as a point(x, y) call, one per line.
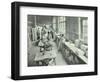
point(5, 40)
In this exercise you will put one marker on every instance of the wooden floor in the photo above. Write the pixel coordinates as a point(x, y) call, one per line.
point(59, 59)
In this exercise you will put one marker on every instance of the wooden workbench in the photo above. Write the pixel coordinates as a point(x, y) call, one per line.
point(78, 52)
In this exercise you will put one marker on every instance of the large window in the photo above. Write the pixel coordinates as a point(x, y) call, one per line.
point(72, 28)
point(62, 24)
point(59, 24)
point(84, 30)
point(54, 24)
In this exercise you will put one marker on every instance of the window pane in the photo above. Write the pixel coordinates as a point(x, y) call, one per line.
point(85, 30)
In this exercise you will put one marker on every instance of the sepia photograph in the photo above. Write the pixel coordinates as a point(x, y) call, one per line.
point(53, 40)
point(56, 40)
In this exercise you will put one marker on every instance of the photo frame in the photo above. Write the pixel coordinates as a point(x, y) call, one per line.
point(53, 40)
